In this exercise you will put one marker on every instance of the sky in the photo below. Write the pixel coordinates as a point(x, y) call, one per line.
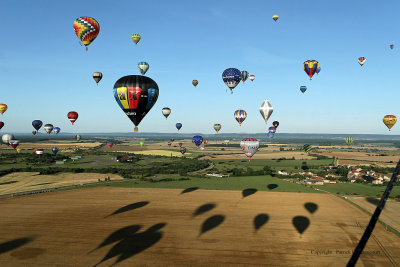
point(45, 72)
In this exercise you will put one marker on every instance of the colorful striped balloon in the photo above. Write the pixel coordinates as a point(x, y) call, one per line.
point(240, 115)
point(86, 29)
point(307, 148)
point(349, 140)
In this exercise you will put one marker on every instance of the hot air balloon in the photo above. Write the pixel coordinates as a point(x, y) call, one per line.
point(361, 60)
point(136, 95)
point(271, 135)
point(6, 138)
point(1, 124)
point(240, 115)
point(217, 127)
point(14, 143)
point(136, 38)
point(391, 46)
point(72, 116)
point(307, 148)
point(48, 128)
point(275, 124)
point(39, 152)
point(18, 150)
point(275, 17)
point(143, 67)
point(244, 75)
point(54, 150)
point(141, 143)
point(310, 67)
point(303, 89)
point(195, 82)
point(318, 70)
point(197, 140)
point(3, 108)
point(266, 110)
point(86, 29)
point(182, 150)
point(34, 132)
point(348, 140)
point(249, 146)
point(172, 140)
point(78, 137)
point(205, 142)
point(231, 78)
point(180, 144)
point(252, 77)
point(226, 142)
point(272, 129)
point(389, 121)
point(166, 112)
point(97, 76)
point(37, 124)
point(169, 143)
point(109, 144)
point(178, 126)
point(56, 130)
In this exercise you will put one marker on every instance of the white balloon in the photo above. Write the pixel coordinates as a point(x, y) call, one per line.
point(266, 110)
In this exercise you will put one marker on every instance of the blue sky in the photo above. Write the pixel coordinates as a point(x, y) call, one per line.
point(44, 72)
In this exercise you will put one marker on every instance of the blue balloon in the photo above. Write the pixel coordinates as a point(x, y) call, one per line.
point(303, 88)
point(231, 77)
point(56, 130)
point(271, 134)
point(197, 140)
point(178, 126)
point(37, 124)
point(318, 70)
point(54, 150)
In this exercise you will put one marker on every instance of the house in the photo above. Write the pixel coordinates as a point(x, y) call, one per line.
point(330, 176)
point(293, 174)
point(283, 172)
point(377, 181)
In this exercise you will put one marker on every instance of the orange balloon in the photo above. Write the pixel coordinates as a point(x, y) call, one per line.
point(3, 108)
point(389, 121)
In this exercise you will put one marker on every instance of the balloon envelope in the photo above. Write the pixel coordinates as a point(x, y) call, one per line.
point(266, 110)
point(231, 77)
point(86, 29)
point(197, 139)
point(195, 82)
point(141, 143)
point(143, 67)
point(249, 146)
point(57, 130)
point(240, 115)
point(72, 116)
point(14, 143)
point(303, 89)
point(54, 150)
point(217, 127)
point(1, 124)
point(3, 108)
point(307, 148)
point(252, 77)
point(275, 17)
point(48, 128)
point(361, 60)
point(178, 126)
point(97, 76)
point(6, 138)
point(348, 140)
point(136, 38)
point(109, 144)
point(166, 112)
point(37, 124)
point(182, 150)
point(389, 121)
point(310, 67)
point(275, 124)
point(244, 75)
point(136, 95)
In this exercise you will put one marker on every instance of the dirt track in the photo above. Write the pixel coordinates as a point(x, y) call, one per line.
point(156, 227)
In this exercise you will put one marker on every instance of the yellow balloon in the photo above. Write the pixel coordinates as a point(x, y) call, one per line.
point(275, 17)
point(19, 150)
point(136, 38)
point(3, 108)
point(389, 121)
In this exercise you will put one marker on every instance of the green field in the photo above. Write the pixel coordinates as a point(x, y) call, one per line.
point(359, 189)
point(230, 183)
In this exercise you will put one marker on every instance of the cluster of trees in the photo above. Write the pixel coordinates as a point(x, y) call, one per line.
point(266, 170)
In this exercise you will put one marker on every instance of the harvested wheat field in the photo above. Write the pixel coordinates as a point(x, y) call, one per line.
point(170, 227)
point(274, 155)
point(29, 181)
point(60, 145)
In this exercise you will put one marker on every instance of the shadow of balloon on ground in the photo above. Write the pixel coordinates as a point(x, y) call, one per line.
point(130, 207)
point(131, 242)
point(372, 200)
point(204, 208)
point(272, 186)
point(211, 223)
point(301, 223)
point(260, 220)
point(13, 244)
point(190, 189)
point(9, 182)
point(311, 207)
point(41, 184)
point(248, 192)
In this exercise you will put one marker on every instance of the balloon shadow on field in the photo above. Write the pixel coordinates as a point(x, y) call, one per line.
point(248, 192)
point(260, 220)
point(272, 186)
point(41, 184)
point(9, 182)
point(211, 223)
point(129, 207)
point(372, 200)
point(190, 189)
point(301, 223)
point(13, 244)
point(131, 242)
point(204, 208)
point(311, 207)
